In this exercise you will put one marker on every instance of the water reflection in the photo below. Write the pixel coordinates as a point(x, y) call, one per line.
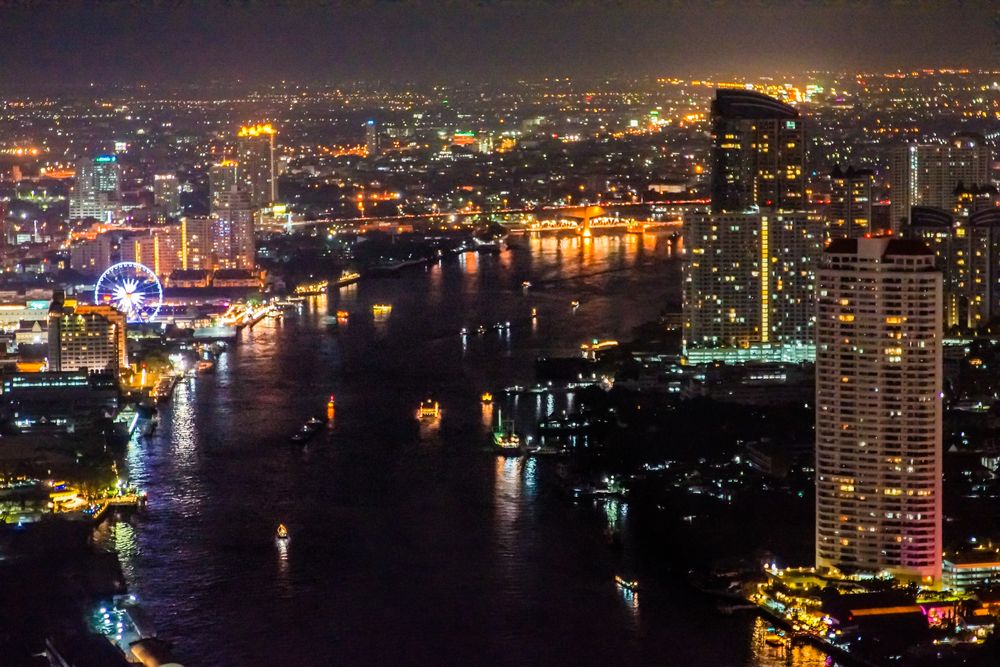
point(446, 549)
point(486, 410)
point(183, 428)
point(797, 654)
point(282, 546)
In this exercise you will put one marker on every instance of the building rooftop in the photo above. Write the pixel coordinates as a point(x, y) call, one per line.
point(890, 246)
point(736, 103)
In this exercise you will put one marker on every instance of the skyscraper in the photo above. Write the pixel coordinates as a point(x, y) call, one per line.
point(930, 174)
point(97, 192)
point(984, 254)
point(167, 193)
point(758, 153)
point(850, 214)
point(222, 177)
point(371, 138)
point(878, 408)
point(233, 237)
point(748, 287)
point(196, 243)
point(256, 169)
point(967, 252)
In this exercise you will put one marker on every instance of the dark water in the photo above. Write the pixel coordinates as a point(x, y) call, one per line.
point(410, 544)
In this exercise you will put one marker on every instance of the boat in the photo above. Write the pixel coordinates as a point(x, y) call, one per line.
point(534, 313)
point(627, 584)
point(507, 443)
point(348, 277)
point(574, 304)
point(282, 532)
point(775, 637)
point(311, 289)
point(205, 366)
point(381, 310)
point(343, 315)
point(526, 284)
point(505, 440)
point(429, 410)
point(486, 398)
point(307, 431)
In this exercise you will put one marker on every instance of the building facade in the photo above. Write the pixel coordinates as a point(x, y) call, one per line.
point(97, 191)
point(758, 153)
point(158, 248)
point(371, 138)
point(748, 285)
point(233, 233)
point(222, 177)
point(196, 243)
point(930, 174)
point(256, 169)
point(167, 193)
point(91, 257)
point(85, 337)
point(967, 252)
point(879, 408)
point(850, 214)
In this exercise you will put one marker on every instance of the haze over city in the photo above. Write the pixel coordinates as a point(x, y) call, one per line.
point(495, 40)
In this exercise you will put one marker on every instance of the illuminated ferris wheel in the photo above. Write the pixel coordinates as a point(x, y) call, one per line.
point(131, 288)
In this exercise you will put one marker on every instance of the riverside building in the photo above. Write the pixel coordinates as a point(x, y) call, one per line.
point(879, 408)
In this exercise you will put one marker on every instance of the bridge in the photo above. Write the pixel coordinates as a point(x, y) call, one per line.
point(586, 214)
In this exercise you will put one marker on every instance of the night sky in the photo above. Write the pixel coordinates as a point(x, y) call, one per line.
point(448, 40)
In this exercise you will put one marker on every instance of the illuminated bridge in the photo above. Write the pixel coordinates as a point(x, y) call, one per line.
point(594, 215)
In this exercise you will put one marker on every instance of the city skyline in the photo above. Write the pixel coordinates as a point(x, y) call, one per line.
point(500, 332)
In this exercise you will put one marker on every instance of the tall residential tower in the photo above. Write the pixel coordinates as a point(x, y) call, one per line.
point(98, 190)
point(758, 153)
point(929, 174)
point(748, 287)
point(878, 408)
point(256, 169)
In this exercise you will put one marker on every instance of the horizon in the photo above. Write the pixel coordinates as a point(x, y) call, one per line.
point(489, 41)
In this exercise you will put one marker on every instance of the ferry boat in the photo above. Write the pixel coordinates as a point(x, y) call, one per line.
point(486, 398)
point(348, 277)
point(282, 532)
point(429, 410)
point(381, 309)
point(627, 584)
point(311, 289)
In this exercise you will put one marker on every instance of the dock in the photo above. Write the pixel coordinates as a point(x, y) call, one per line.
point(131, 501)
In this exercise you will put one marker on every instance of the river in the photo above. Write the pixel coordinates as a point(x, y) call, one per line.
point(409, 545)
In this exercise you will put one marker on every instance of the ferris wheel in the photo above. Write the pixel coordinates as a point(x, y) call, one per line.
point(131, 288)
